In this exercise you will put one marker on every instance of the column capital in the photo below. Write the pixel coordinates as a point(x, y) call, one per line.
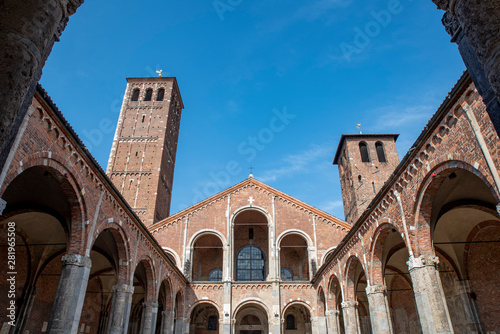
point(373, 289)
point(332, 312)
point(123, 288)
point(76, 260)
point(349, 303)
point(426, 260)
point(150, 304)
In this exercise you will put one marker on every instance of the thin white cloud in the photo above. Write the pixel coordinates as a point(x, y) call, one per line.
point(396, 118)
point(331, 206)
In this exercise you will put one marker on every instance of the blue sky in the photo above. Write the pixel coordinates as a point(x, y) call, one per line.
point(271, 84)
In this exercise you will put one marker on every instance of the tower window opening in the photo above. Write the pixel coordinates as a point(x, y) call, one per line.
point(373, 185)
point(143, 118)
point(363, 149)
point(135, 94)
point(360, 178)
point(160, 95)
point(380, 152)
point(149, 94)
point(250, 233)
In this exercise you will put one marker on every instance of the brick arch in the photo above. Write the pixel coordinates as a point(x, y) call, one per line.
point(120, 236)
point(174, 254)
point(297, 232)
point(377, 248)
point(322, 304)
point(249, 208)
point(350, 272)
point(472, 235)
point(425, 196)
point(203, 232)
point(169, 302)
point(200, 302)
point(70, 185)
point(296, 302)
point(328, 252)
point(179, 309)
point(150, 277)
point(250, 301)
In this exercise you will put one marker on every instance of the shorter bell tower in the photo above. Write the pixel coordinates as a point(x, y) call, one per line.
point(366, 161)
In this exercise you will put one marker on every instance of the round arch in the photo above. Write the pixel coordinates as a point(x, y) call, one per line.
point(174, 255)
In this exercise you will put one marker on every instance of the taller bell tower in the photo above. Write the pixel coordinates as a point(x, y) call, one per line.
point(142, 159)
point(365, 163)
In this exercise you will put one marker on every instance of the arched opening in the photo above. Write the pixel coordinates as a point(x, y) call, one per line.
point(178, 313)
point(251, 246)
point(363, 150)
point(294, 256)
point(204, 319)
point(207, 246)
point(41, 206)
point(297, 319)
point(335, 297)
point(465, 233)
point(390, 256)
point(251, 319)
point(356, 289)
point(135, 95)
point(143, 277)
point(149, 94)
point(164, 320)
point(107, 253)
point(160, 95)
point(380, 152)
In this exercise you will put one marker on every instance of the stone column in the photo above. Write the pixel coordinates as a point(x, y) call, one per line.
point(480, 20)
point(148, 321)
point(28, 30)
point(429, 295)
point(321, 325)
point(470, 308)
point(332, 317)
point(70, 295)
point(474, 67)
point(179, 325)
point(167, 322)
point(120, 309)
point(349, 309)
point(379, 309)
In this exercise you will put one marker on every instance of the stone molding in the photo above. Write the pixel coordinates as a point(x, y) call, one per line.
point(374, 289)
point(332, 312)
point(425, 260)
point(451, 25)
point(123, 288)
point(349, 304)
point(150, 304)
point(76, 260)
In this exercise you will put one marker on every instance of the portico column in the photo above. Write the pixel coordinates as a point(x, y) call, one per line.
point(379, 309)
point(349, 309)
point(333, 321)
point(120, 309)
point(148, 321)
point(70, 295)
point(429, 295)
point(167, 322)
point(321, 325)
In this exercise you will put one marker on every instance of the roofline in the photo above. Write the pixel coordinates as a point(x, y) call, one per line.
point(229, 190)
point(344, 137)
point(84, 152)
point(462, 84)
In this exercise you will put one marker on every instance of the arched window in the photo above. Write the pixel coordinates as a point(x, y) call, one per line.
point(135, 94)
point(149, 94)
point(286, 274)
point(363, 149)
point(250, 264)
point(215, 275)
point(160, 95)
point(212, 323)
point(290, 322)
point(380, 152)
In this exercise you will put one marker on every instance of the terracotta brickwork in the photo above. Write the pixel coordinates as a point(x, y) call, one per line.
point(142, 159)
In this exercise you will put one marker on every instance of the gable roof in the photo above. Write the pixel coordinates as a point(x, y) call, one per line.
point(243, 184)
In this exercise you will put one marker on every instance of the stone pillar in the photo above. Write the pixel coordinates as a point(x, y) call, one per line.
point(333, 321)
point(475, 69)
point(470, 307)
point(28, 31)
point(70, 295)
point(179, 325)
point(120, 309)
point(167, 322)
point(480, 20)
point(349, 309)
point(379, 309)
point(148, 321)
point(321, 325)
point(429, 295)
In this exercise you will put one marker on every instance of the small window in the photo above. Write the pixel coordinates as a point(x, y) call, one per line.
point(286, 274)
point(212, 323)
point(143, 118)
point(135, 94)
point(149, 94)
point(160, 95)
point(290, 322)
point(250, 233)
point(215, 275)
point(363, 149)
point(380, 152)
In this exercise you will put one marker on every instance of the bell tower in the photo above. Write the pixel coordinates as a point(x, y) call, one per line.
point(142, 159)
point(365, 163)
